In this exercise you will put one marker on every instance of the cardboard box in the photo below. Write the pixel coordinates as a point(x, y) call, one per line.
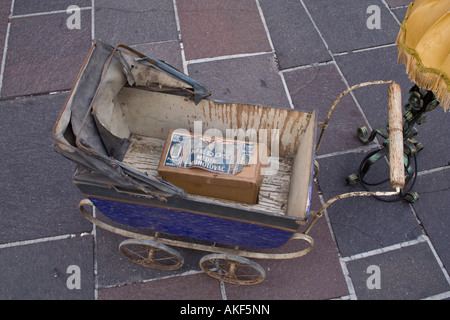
point(213, 166)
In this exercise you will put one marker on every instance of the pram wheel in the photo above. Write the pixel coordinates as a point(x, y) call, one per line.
point(151, 254)
point(232, 269)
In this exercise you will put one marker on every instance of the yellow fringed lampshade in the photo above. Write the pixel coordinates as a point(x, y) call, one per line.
point(424, 47)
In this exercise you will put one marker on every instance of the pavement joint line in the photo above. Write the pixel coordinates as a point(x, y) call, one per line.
point(439, 261)
point(338, 54)
point(5, 49)
point(183, 59)
point(37, 94)
point(223, 291)
point(419, 222)
point(440, 296)
point(348, 280)
point(269, 38)
point(226, 57)
point(307, 66)
point(180, 38)
point(421, 239)
point(37, 14)
point(361, 149)
point(434, 170)
point(95, 255)
point(40, 240)
point(346, 297)
point(344, 260)
point(93, 20)
point(363, 255)
point(402, 6)
point(327, 218)
point(187, 273)
point(390, 11)
point(343, 265)
point(266, 28)
point(286, 90)
point(352, 94)
point(324, 63)
point(153, 43)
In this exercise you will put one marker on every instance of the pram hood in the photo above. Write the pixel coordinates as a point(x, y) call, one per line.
point(79, 133)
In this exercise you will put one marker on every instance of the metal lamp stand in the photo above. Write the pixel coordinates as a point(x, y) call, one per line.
point(419, 102)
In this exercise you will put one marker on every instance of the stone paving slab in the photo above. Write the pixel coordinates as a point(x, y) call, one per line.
point(432, 209)
point(5, 11)
point(134, 22)
point(344, 24)
point(252, 80)
point(317, 88)
point(371, 65)
point(213, 28)
point(43, 54)
point(294, 37)
point(38, 198)
point(409, 273)
point(363, 223)
point(168, 51)
point(400, 12)
point(51, 270)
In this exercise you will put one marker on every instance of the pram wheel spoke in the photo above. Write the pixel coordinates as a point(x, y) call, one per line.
point(151, 254)
point(232, 269)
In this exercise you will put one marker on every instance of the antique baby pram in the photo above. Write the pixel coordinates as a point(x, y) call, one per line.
point(113, 126)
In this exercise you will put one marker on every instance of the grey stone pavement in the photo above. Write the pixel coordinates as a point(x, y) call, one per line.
point(297, 54)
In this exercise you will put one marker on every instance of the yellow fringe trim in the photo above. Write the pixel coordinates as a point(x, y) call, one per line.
point(427, 78)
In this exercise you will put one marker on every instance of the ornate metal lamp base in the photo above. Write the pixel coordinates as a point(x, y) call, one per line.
point(419, 102)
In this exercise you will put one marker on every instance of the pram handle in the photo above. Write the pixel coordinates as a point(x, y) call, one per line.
point(397, 170)
point(396, 152)
point(396, 156)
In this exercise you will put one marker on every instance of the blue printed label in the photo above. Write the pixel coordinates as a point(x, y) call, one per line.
point(210, 153)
